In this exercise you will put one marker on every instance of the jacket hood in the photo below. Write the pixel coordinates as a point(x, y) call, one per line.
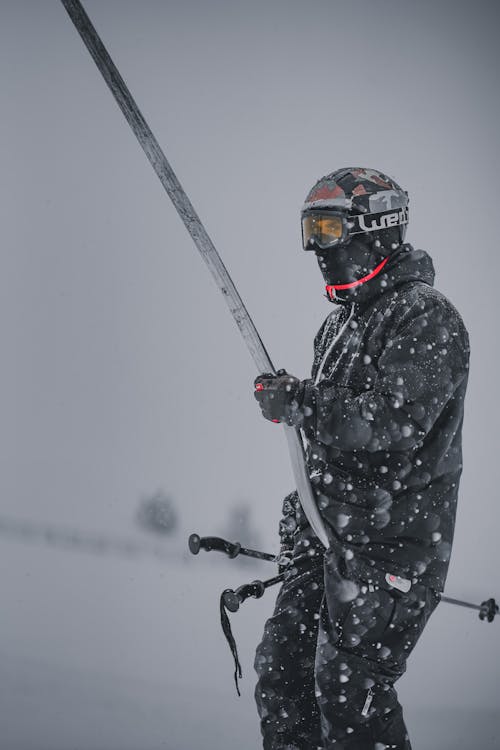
point(404, 264)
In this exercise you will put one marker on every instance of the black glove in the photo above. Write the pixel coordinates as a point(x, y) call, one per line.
point(280, 397)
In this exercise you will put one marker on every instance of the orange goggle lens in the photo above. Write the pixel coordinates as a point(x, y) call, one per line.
point(321, 229)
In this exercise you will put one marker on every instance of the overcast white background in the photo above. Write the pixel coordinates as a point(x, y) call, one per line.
point(122, 371)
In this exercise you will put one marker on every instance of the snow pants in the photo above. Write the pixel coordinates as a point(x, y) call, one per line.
point(330, 656)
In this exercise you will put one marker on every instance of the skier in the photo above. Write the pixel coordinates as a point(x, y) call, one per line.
point(381, 419)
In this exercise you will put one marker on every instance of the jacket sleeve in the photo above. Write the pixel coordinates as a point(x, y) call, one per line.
point(419, 370)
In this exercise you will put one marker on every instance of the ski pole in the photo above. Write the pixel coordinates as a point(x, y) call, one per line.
point(230, 601)
point(487, 609)
point(231, 549)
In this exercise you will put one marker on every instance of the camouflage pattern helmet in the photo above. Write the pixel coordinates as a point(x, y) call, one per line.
point(358, 190)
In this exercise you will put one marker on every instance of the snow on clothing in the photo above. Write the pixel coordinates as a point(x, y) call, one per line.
point(382, 417)
point(327, 667)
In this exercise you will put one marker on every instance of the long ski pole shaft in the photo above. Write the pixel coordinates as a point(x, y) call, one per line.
point(204, 244)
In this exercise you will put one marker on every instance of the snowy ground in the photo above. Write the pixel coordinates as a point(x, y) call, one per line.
point(100, 653)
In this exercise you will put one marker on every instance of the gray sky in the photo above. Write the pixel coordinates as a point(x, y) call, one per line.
point(122, 369)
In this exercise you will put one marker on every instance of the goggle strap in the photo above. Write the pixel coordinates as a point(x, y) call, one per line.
point(376, 221)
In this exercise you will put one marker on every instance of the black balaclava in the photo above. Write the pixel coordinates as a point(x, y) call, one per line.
point(355, 262)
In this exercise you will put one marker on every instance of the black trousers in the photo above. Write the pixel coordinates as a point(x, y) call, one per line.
point(330, 656)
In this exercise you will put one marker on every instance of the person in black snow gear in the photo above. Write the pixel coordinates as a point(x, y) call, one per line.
point(381, 418)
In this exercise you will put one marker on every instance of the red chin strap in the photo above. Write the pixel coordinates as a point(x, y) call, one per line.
point(332, 288)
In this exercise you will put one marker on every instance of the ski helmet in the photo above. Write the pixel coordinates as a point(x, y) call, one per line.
point(353, 219)
point(352, 201)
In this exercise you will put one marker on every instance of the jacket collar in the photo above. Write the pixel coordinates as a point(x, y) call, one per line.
point(404, 264)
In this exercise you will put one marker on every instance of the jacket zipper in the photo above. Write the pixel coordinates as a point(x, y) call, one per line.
point(330, 348)
point(368, 702)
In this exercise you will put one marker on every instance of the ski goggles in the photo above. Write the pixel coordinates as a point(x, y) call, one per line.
point(329, 228)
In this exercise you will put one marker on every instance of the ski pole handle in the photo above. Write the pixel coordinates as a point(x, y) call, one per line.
point(488, 610)
point(209, 543)
point(232, 549)
point(233, 598)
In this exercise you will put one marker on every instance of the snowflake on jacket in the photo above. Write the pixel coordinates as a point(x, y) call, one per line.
point(382, 416)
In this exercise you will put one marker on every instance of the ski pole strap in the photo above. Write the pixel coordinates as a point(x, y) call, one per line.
point(230, 600)
point(226, 628)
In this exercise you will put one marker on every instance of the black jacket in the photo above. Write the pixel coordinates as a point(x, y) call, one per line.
point(382, 417)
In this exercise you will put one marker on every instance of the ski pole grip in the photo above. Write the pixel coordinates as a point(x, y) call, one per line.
point(194, 543)
point(209, 543)
point(488, 610)
point(232, 599)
